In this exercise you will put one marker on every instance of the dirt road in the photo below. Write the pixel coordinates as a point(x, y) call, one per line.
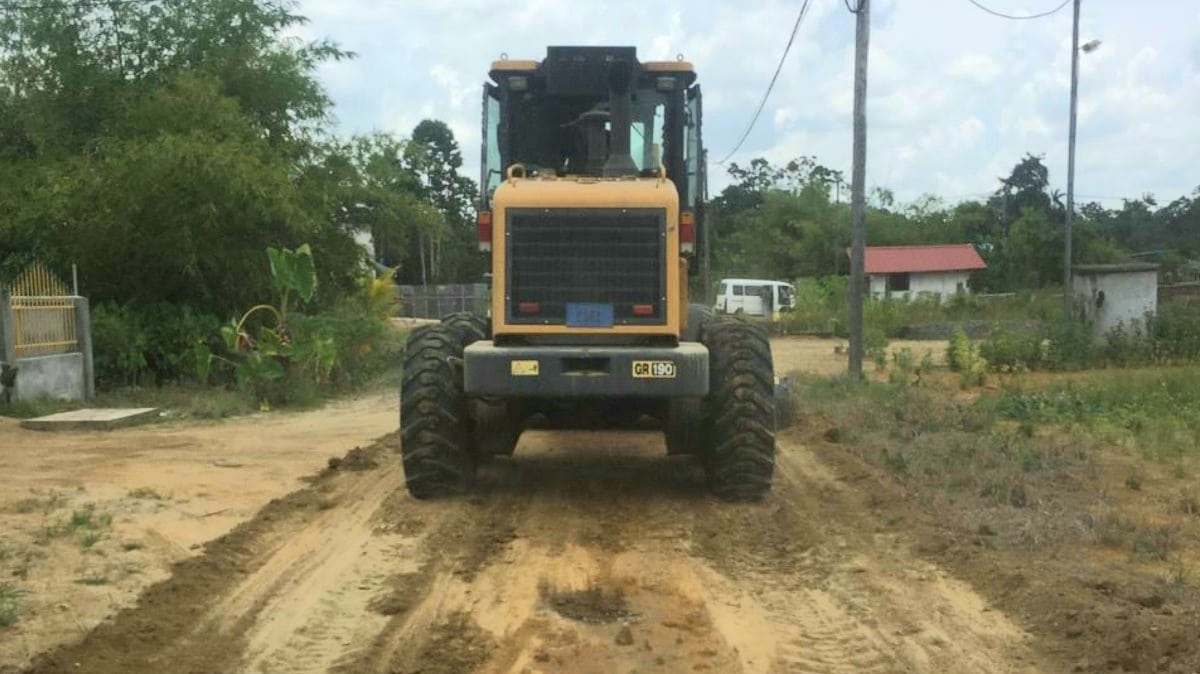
point(586, 552)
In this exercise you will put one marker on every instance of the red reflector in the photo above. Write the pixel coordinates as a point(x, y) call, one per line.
point(687, 227)
point(484, 222)
point(528, 308)
point(643, 310)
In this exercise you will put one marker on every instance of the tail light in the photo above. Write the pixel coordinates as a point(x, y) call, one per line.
point(484, 222)
point(643, 310)
point(529, 308)
point(687, 232)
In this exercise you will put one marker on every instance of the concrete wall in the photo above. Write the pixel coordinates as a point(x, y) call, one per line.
point(59, 376)
point(1127, 297)
point(943, 284)
point(67, 376)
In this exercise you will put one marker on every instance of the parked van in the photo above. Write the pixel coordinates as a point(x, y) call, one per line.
point(755, 297)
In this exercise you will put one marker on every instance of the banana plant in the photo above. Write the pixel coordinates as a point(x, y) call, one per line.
point(259, 361)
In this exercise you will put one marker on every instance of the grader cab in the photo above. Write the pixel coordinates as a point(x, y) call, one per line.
point(592, 166)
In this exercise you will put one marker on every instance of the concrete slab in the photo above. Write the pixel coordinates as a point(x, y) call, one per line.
point(91, 419)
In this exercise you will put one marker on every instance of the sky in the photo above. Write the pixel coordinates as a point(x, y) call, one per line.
point(955, 96)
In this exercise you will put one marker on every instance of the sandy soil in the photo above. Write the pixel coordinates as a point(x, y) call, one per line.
point(584, 553)
point(167, 489)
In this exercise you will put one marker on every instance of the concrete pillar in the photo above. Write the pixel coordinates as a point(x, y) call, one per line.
point(8, 339)
point(83, 335)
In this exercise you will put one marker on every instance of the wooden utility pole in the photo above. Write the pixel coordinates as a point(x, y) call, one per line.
point(858, 179)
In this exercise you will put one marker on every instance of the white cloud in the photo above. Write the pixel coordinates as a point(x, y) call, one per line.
point(975, 67)
point(956, 96)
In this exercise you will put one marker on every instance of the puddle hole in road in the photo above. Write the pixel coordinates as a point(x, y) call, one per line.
point(594, 605)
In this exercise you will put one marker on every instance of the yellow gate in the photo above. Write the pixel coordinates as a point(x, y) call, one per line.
point(43, 311)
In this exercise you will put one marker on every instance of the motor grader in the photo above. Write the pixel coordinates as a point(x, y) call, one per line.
point(592, 168)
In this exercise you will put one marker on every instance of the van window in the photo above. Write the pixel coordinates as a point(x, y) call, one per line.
point(724, 289)
point(738, 291)
point(786, 296)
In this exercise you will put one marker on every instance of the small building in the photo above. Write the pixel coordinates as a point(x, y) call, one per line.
point(912, 271)
point(1108, 295)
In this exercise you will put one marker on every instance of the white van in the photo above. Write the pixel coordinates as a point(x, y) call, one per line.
point(755, 297)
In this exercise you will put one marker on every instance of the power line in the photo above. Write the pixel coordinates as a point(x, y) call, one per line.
point(763, 102)
point(1018, 18)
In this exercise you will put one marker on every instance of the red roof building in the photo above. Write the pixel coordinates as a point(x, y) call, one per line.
point(910, 259)
point(911, 271)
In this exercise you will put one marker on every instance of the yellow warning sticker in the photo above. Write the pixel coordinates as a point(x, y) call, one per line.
point(524, 368)
point(653, 369)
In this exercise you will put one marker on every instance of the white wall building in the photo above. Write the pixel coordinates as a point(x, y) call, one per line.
point(1108, 295)
point(910, 272)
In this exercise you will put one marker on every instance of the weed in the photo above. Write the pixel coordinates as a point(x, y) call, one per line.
point(879, 357)
point(10, 604)
point(130, 546)
point(1113, 529)
point(88, 518)
point(1156, 542)
point(1189, 503)
point(93, 579)
point(145, 493)
point(44, 502)
point(90, 537)
point(1134, 481)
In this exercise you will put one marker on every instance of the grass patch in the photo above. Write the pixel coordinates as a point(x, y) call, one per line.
point(10, 604)
point(146, 494)
point(39, 501)
point(29, 409)
point(130, 546)
point(1157, 409)
point(88, 524)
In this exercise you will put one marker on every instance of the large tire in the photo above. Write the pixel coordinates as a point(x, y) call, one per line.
point(435, 428)
point(473, 327)
point(739, 412)
point(698, 316)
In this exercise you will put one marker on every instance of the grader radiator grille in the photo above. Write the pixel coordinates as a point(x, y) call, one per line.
point(605, 257)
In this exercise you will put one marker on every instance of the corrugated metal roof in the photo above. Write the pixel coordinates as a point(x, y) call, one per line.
point(902, 259)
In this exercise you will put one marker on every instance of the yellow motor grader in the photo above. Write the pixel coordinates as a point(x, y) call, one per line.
point(592, 167)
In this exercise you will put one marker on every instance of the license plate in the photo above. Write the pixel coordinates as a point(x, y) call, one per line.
point(589, 315)
point(653, 369)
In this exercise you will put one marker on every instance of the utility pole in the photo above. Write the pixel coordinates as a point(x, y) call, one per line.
point(858, 178)
point(706, 223)
point(1071, 168)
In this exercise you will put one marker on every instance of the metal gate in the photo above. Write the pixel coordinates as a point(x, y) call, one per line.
point(43, 314)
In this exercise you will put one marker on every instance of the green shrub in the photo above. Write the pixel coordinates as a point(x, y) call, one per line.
point(147, 345)
point(962, 355)
point(1013, 351)
point(1070, 346)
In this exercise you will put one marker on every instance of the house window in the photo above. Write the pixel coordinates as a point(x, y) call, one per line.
point(897, 283)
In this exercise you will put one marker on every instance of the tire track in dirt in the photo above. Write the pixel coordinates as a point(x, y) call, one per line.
point(586, 552)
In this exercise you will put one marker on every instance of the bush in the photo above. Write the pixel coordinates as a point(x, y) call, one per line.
point(144, 345)
point(1013, 351)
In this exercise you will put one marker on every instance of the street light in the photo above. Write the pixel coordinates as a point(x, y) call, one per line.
point(1087, 48)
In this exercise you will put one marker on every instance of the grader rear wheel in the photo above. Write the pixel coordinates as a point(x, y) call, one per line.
point(435, 427)
point(739, 412)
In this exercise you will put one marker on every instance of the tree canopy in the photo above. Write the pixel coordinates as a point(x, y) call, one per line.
point(793, 221)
